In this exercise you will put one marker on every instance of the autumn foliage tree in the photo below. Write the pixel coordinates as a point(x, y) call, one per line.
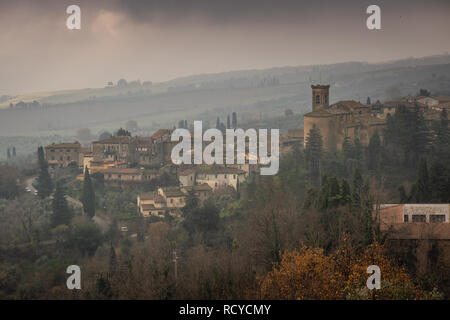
point(310, 274)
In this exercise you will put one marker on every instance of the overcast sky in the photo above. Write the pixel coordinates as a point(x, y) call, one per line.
point(163, 39)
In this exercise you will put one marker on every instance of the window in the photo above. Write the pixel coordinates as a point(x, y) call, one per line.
point(171, 200)
point(60, 158)
point(68, 158)
point(317, 99)
point(234, 176)
point(437, 218)
point(326, 98)
point(68, 150)
point(52, 150)
point(405, 218)
point(225, 176)
point(419, 218)
point(52, 157)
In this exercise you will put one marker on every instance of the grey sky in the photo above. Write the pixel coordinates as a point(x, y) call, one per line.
point(160, 40)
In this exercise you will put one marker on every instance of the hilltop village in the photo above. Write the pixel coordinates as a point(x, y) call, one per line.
point(369, 178)
point(126, 160)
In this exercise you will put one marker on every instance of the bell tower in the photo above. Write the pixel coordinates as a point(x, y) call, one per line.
point(320, 96)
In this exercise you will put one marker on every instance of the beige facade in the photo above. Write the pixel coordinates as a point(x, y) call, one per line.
point(414, 221)
point(339, 120)
point(128, 175)
point(117, 148)
point(62, 154)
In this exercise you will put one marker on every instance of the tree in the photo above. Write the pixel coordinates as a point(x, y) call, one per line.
point(234, 120)
point(61, 212)
point(9, 188)
point(105, 135)
point(374, 152)
point(423, 183)
point(8, 154)
point(44, 182)
point(122, 132)
point(122, 83)
point(228, 122)
point(313, 153)
point(439, 182)
point(13, 151)
point(368, 100)
point(310, 274)
point(88, 196)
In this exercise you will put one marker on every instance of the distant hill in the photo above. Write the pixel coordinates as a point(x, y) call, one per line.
point(204, 97)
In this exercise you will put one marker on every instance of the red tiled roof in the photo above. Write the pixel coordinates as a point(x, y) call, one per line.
point(161, 132)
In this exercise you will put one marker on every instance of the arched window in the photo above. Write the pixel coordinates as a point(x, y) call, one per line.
point(317, 99)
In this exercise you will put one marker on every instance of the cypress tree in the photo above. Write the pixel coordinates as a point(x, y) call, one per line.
point(88, 196)
point(345, 192)
point(44, 182)
point(374, 152)
point(228, 122)
point(423, 183)
point(8, 154)
point(313, 153)
point(234, 120)
point(439, 186)
point(61, 212)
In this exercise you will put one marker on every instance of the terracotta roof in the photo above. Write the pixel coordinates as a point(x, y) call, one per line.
point(186, 172)
point(75, 144)
point(205, 169)
point(155, 197)
point(116, 139)
point(173, 192)
point(123, 171)
point(199, 187)
point(318, 113)
point(161, 132)
point(443, 98)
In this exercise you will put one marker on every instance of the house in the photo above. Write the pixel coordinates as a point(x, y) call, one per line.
point(168, 201)
point(219, 176)
point(95, 166)
point(201, 191)
point(173, 196)
point(62, 154)
point(116, 148)
point(414, 221)
point(128, 175)
point(153, 205)
point(187, 177)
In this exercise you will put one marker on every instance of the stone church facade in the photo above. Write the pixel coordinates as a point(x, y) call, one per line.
point(344, 118)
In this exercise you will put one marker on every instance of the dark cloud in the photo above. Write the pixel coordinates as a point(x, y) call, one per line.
point(232, 11)
point(164, 39)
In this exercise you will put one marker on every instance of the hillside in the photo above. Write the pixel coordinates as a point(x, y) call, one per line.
point(268, 92)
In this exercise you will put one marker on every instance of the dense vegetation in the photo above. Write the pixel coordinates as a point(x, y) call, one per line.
point(306, 233)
